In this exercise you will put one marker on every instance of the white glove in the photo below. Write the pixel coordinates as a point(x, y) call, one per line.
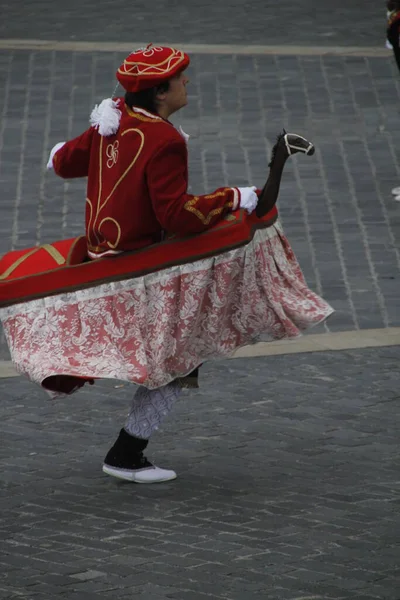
point(248, 198)
point(52, 153)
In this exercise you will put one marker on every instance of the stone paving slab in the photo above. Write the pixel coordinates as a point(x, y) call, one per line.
point(288, 487)
point(336, 207)
point(211, 21)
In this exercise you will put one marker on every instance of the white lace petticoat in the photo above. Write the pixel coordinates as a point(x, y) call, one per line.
point(150, 330)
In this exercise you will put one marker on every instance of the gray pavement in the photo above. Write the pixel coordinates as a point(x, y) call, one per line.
point(305, 22)
point(288, 487)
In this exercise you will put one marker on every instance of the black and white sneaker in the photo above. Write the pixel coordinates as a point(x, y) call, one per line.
point(125, 460)
point(148, 473)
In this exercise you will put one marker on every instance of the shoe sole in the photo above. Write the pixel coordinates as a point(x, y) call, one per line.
point(129, 476)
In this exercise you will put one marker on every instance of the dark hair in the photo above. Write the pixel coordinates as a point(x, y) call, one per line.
point(146, 98)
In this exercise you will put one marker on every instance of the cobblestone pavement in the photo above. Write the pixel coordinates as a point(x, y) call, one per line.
point(303, 22)
point(288, 487)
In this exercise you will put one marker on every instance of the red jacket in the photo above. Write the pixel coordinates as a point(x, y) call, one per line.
point(137, 184)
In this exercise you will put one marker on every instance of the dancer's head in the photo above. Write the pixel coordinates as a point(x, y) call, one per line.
point(154, 79)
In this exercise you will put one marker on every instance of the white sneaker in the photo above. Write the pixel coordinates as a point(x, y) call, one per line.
point(397, 198)
point(396, 191)
point(149, 474)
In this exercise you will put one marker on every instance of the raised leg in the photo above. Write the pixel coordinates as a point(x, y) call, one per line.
point(125, 460)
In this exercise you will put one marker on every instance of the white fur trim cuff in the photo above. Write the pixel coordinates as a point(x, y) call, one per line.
point(55, 149)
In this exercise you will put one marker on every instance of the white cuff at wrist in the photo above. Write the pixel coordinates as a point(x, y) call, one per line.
point(236, 198)
point(55, 149)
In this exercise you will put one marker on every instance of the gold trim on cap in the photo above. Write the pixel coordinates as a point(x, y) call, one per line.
point(149, 70)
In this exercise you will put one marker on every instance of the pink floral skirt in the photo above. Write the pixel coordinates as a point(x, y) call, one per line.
point(150, 330)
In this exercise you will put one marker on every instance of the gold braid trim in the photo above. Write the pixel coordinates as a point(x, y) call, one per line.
point(54, 253)
point(206, 219)
point(132, 68)
point(94, 228)
point(141, 117)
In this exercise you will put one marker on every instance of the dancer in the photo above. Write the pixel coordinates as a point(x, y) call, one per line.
point(156, 330)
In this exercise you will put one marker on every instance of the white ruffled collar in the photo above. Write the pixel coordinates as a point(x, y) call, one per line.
point(183, 134)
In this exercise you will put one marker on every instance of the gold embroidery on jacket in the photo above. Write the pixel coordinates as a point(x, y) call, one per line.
point(124, 174)
point(206, 219)
point(101, 205)
point(112, 153)
point(110, 244)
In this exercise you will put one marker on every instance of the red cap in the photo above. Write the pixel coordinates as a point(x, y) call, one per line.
point(148, 67)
